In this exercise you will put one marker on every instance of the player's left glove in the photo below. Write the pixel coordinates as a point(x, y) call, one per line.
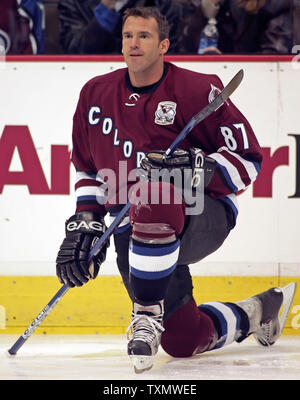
point(192, 158)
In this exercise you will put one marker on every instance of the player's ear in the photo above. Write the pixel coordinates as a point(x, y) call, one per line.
point(164, 46)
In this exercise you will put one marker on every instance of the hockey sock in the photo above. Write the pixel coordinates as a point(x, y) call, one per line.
point(230, 321)
point(154, 246)
point(151, 266)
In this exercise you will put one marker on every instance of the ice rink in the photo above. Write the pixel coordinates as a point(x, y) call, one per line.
point(103, 357)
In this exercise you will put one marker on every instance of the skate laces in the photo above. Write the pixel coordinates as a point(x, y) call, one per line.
point(263, 334)
point(268, 332)
point(145, 328)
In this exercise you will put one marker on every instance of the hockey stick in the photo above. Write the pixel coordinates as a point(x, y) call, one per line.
point(204, 113)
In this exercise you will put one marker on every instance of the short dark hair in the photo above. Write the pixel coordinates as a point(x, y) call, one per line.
point(150, 12)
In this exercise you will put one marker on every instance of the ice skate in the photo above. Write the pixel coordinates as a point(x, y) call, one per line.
point(267, 313)
point(144, 333)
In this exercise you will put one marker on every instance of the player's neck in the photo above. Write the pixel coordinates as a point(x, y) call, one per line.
point(148, 88)
point(146, 77)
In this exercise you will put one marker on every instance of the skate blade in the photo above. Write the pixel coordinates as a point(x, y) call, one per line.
point(142, 363)
point(288, 297)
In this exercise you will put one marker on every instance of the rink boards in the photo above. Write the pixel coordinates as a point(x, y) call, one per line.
point(36, 194)
point(102, 306)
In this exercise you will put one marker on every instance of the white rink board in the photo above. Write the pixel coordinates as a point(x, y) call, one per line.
point(43, 97)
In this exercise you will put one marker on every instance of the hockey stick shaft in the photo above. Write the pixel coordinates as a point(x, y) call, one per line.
point(204, 113)
point(38, 320)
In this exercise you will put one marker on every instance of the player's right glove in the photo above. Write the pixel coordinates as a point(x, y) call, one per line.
point(192, 158)
point(83, 230)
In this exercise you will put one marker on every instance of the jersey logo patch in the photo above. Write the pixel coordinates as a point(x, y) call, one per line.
point(214, 93)
point(165, 113)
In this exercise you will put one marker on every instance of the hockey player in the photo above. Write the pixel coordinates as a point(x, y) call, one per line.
point(121, 118)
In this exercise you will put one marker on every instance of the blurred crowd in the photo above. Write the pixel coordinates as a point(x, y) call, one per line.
point(196, 26)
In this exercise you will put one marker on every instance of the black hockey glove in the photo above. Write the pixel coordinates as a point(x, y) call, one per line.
point(83, 230)
point(193, 159)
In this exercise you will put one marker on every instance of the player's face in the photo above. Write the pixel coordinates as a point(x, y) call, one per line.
point(142, 50)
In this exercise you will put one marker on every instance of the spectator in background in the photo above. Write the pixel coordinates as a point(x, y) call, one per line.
point(94, 27)
point(22, 27)
point(296, 22)
point(244, 26)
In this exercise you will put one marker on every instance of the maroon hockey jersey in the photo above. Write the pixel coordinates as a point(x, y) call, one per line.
point(115, 124)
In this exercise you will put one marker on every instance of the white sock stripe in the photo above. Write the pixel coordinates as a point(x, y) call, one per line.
point(229, 317)
point(153, 264)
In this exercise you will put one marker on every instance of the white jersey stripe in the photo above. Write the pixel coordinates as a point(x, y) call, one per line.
point(249, 166)
point(231, 169)
point(83, 175)
point(87, 191)
point(123, 223)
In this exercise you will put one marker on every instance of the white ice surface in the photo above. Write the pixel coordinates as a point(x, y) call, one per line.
point(103, 357)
